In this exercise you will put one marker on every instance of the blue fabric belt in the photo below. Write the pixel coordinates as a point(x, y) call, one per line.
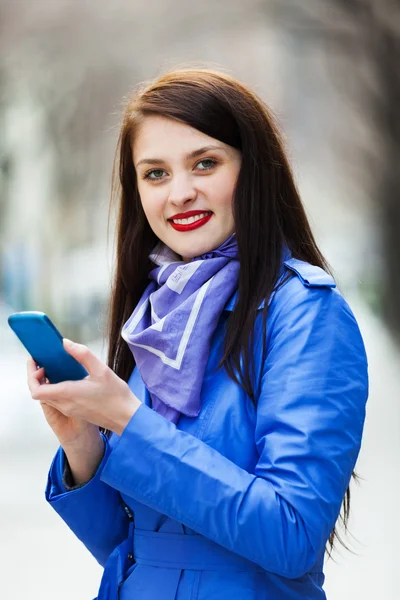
point(180, 551)
point(170, 553)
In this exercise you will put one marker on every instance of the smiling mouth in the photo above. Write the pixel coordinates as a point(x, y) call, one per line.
point(192, 219)
point(192, 222)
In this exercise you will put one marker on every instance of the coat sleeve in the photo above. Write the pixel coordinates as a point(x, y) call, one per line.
point(94, 511)
point(310, 416)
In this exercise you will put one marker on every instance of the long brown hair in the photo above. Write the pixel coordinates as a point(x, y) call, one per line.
point(267, 210)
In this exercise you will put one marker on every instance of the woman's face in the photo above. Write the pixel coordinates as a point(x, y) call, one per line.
point(180, 170)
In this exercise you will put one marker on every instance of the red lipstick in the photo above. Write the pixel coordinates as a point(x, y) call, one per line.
point(189, 213)
point(190, 226)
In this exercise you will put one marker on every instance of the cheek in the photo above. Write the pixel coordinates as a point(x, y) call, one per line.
point(223, 188)
point(222, 193)
point(152, 202)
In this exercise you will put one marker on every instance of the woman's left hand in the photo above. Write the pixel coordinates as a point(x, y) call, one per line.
point(101, 398)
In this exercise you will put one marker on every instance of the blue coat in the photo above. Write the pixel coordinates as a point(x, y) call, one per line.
point(237, 503)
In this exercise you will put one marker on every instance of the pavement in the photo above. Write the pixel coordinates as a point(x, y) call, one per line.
point(42, 560)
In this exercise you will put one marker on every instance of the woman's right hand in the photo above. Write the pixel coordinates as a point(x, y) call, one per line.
point(71, 432)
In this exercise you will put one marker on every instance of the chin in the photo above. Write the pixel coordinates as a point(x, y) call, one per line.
point(195, 251)
point(197, 247)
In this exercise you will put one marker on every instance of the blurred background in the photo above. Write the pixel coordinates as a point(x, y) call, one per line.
point(329, 70)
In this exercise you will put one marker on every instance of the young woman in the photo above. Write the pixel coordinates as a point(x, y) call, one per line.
point(210, 458)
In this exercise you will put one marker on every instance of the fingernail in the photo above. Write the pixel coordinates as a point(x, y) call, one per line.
point(68, 342)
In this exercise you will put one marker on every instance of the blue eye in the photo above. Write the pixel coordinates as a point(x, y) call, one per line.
point(157, 174)
point(210, 162)
point(153, 172)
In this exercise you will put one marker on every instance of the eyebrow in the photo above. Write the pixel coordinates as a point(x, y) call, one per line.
point(157, 161)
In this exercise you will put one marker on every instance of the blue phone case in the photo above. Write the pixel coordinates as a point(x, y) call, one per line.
point(44, 343)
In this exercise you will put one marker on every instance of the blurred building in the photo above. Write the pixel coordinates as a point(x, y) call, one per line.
point(62, 88)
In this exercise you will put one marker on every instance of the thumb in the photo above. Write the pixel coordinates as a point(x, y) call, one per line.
point(83, 355)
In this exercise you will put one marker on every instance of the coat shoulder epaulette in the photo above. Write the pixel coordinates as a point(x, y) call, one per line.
point(310, 275)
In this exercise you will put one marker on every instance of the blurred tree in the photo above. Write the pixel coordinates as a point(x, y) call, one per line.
point(58, 87)
point(366, 34)
point(65, 65)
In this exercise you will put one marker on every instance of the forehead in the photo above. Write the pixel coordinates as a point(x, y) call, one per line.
point(157, 134)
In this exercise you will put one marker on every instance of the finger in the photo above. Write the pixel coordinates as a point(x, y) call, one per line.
point(83, 355)
point(55, 405)
point(57, 392)
point(46, 404)
point(34, 381)
point(33, 370)
point(31, 366)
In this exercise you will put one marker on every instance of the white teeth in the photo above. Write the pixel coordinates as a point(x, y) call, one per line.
point(190, 219)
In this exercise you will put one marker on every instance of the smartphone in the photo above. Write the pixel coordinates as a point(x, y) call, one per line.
point(44, 343)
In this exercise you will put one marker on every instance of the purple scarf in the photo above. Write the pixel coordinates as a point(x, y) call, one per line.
point(169, 332)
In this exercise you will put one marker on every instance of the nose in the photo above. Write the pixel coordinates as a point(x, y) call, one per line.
point(182, 190)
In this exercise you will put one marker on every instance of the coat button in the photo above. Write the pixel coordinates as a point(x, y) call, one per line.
point(128, 512)
point(130, 556)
